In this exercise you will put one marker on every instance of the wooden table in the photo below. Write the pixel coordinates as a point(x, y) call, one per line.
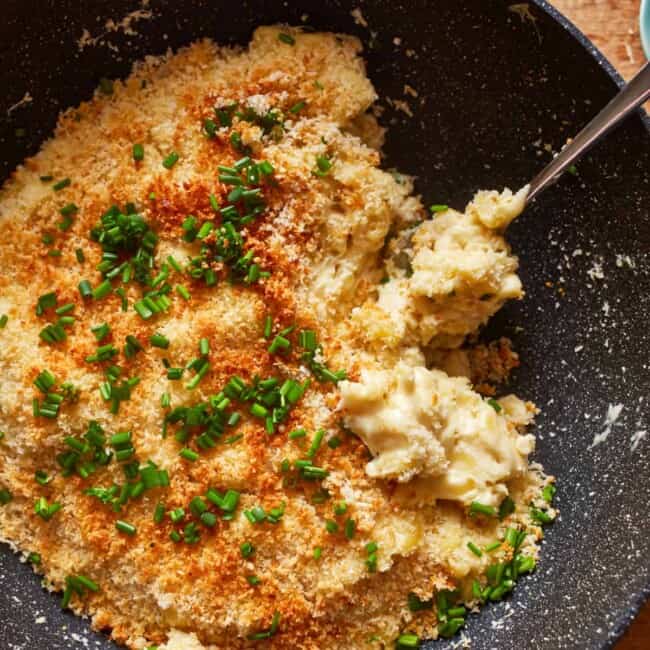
point(613, 26)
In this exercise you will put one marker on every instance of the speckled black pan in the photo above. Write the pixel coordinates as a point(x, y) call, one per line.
point(496, 84)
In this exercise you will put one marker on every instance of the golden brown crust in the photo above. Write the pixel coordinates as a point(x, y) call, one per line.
point(313, 228)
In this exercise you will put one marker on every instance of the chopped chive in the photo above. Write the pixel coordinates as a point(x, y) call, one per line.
point(44, 381)
point(371, 561)
point(46, 301)
point(44, 510)
point(457, 612)
point(265, 168)
point(482, 509)
point(307, 339)
point(323, 166)
point(316, 442)
point(198, 506)
point(475, 549)
point(506, 508)
point(177, 515)
point(165, 400)
point(416, 604)
point(41, 477)
point(448, 629)
point(64, 309)
point(204, 230)
point(85, 289)
point(438, 208)
point(279, 343)
point(170, 160)
point(183, 292)
point(189, 454)
point(286, 38)
point(493, 546)
point(209, 519)
point(258, 411)
point(4, 319)
point(210, 128)
point(331, 526)
point(194, 382)
point(268, 326)
point(34, 558)
point(526, 564)
point(230, 501)
point(87, 583)
point(334, 442)
point(247, 549)
point(101, 331)
point(159, 341)
point(159, 512)
point(174, 264)
point(174, 373)
point(296, 108)
point(408, 641)
point(494, 404)
point(102, 290)
point(548, 492)
point(512, 538)
point(61, 184)
point(143, 310)
point(229, 179)
point(540, 516)
point(124, 454)
point(138, 152)
point(318, 551)
point(204, 346)
point(350, 528)
point(126, 528)
point(81, 258)
point(340, 508)
point(297, 433)
point(68, 210)
point(253, 580)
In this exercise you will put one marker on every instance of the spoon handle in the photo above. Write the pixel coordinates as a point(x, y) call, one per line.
point(630, 97)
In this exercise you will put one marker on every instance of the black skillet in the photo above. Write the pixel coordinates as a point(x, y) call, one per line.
point(496, 82)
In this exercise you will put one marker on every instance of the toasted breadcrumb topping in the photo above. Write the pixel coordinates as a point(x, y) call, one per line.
point(330, 214)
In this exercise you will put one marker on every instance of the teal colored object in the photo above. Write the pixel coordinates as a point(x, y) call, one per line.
point(644, 26)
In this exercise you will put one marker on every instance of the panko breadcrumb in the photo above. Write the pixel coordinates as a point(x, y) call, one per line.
point(332, 558)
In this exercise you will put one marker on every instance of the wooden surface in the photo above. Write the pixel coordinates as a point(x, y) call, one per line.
point(613, 25)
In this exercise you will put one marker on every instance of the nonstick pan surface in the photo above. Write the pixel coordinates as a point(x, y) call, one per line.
point(499, 85)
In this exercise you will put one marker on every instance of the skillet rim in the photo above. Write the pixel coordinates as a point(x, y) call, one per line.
point(628, 614)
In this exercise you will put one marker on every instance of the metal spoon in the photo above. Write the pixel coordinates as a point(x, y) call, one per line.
point(630, 97)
